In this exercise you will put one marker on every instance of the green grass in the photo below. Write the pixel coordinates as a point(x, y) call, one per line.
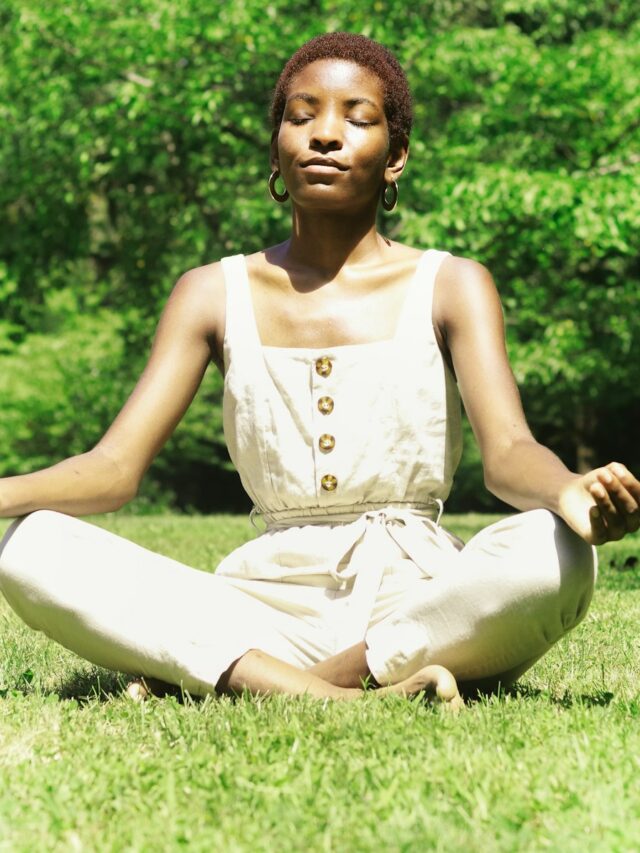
point(553, 765)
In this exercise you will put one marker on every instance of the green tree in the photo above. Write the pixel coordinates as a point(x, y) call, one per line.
point(135, 145)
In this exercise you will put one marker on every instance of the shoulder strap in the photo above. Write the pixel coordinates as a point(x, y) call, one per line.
point(240, 325)
point(417, 312)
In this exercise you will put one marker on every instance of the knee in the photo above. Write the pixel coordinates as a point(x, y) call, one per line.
point(562, 569)
point(9, 546)
point(26, 544)
point(578, 566)
point(30, 552)
point(563, 565)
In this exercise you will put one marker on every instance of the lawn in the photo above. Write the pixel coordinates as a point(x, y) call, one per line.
point(552, 765)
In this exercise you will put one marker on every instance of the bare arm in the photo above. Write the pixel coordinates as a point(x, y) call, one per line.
point(601, 505)
point(189, 335)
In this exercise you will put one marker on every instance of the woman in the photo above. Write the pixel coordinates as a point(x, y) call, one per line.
point(339, 349)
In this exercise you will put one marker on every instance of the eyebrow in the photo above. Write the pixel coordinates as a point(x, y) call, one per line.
point(312, 99)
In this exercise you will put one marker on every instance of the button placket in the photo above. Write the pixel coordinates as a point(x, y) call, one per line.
point(326, 441)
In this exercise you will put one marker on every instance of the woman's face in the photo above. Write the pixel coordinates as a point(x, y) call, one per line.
point(332, 148)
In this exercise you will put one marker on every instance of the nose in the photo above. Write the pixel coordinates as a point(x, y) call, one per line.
point(326, 132)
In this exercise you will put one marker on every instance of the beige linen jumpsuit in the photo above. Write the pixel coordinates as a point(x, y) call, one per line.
point(348, 453)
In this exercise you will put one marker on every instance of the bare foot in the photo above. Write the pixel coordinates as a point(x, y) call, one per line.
point(140, 689)
point(436, 682)
point(137, 690)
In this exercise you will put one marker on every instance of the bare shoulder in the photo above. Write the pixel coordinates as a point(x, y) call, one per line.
point(200, 293)
point(460, 275)
point(463, 287)
point(205, 282)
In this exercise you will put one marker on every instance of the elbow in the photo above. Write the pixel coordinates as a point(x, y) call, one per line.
point(489, 473)
point(491, 483)
point(109, 500)
point(497, 482)
point(496, 474)
point(124, 491)
point(509, 468)
point(121, 481)
point(121, 499)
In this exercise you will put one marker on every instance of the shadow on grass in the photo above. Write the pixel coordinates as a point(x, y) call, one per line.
point(101, 685)
point(599, 699)
point(490, 689)
point(92, 686)
point(81, 686)
point(104, 686)
point(619, 569)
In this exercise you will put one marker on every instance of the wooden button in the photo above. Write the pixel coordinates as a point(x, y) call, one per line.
point(324, 366)
point(326, 442)
point(325, 405)
point(329, 483)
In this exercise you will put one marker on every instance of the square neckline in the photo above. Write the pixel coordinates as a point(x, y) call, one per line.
point(384, 342)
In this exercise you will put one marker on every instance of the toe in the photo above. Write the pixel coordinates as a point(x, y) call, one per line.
point(446, 685)
point(137, 691)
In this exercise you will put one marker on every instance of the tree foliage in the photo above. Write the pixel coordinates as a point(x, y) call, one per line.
point(135, 145)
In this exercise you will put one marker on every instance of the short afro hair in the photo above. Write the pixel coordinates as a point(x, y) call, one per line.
point(365, 52)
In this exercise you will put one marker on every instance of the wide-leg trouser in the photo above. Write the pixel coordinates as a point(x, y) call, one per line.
point(502, 602)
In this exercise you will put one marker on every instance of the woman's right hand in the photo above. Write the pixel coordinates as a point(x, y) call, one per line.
point(189, 336)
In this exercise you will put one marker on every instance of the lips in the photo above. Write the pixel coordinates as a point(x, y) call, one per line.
point(324, 163)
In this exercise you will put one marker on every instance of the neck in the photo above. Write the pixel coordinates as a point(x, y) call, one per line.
point(327, 241)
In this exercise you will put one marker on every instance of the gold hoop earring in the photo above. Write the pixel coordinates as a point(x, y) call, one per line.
point(389, 204)
point(275, 195)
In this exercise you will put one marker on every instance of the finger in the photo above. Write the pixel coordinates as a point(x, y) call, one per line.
point(598, 528)
point(609, 515)
point(631, 483)
point(621, 498)
point(600, 493)
point(618, 493)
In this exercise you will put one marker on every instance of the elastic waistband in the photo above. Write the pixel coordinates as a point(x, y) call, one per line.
point(431, 509)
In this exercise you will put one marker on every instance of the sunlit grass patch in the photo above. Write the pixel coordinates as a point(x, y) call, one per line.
point(553, 764)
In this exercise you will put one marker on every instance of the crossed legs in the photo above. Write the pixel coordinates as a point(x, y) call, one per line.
point(130, 610)
point(261, 673)
point(125, 608)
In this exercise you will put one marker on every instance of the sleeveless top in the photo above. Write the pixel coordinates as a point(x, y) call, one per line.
point(331, 442)
point(390, 411)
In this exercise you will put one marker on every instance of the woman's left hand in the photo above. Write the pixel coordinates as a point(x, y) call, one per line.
point(602, 505)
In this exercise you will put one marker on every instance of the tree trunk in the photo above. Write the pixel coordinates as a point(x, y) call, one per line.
point(584, 429)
